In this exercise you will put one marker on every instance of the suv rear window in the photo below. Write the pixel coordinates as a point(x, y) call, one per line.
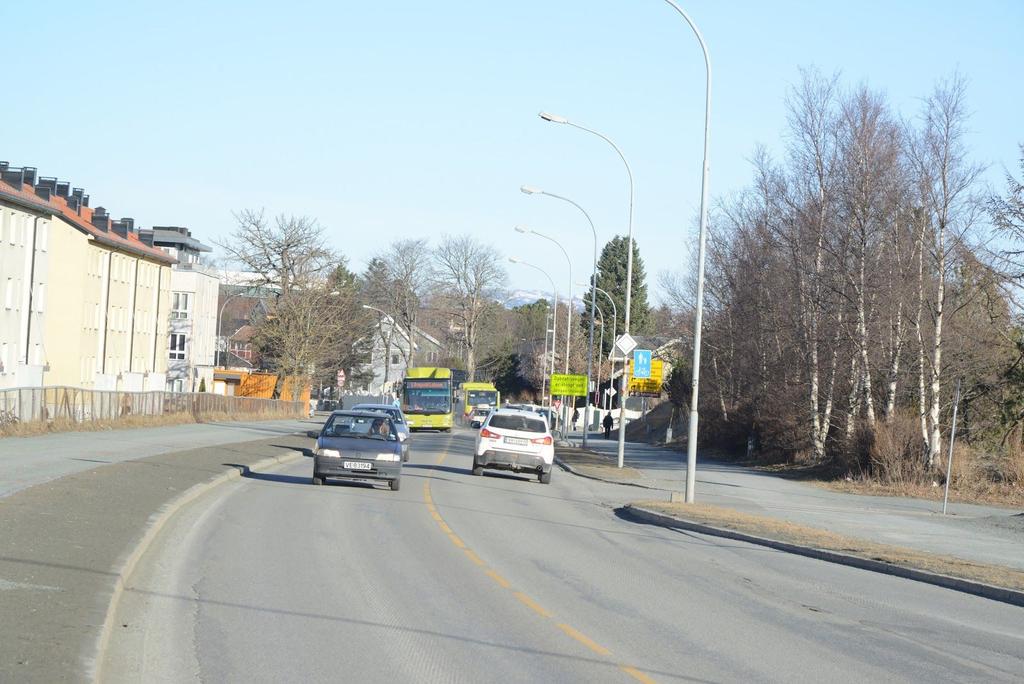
point(513, 422)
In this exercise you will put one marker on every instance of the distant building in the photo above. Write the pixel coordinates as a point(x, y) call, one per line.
point(239, 306)
point(192, 325)
point(85, 300)
point(388, 363)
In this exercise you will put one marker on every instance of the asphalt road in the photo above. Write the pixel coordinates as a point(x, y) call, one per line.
point(463, 579)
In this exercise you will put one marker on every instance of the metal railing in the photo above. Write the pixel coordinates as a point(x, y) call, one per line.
point(75, 405)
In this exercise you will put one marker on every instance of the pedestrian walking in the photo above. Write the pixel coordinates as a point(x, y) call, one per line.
point(575, 418)
point(607, 423)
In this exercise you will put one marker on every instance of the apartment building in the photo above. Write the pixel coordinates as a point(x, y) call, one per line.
point(24, 264)
point(100, 296)
point(192, 328)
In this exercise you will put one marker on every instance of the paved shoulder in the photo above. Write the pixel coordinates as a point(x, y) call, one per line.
point(63, 540)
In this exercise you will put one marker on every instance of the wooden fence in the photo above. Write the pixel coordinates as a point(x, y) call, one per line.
point(76, 405)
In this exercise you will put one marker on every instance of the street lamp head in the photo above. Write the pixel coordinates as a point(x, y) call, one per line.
point(522, 229)
point(553, 118)
point(367, 306)
point(530, 190)
point(514, 260)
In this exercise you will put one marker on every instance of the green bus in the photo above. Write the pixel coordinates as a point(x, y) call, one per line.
point(427, 398)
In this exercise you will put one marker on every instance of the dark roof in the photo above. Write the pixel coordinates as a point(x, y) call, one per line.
point(82, 220)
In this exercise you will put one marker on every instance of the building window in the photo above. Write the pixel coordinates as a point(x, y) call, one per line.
point(394, 359)
point(179, 305)
point(4, 351)
point(177, 346)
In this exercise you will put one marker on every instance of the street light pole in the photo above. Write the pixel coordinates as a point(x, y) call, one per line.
point(568, 316)
point(530, 190)
point(691, 440)
point(554, 118)
point(597, 385)
point(554, 318)
point(615, 316)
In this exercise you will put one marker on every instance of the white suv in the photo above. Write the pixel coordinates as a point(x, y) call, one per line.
point(516, 440)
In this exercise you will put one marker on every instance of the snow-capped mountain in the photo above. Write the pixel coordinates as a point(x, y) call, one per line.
point(521, 297)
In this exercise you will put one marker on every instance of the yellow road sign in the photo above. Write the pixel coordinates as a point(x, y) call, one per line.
point(647, 387)
point(569, 385)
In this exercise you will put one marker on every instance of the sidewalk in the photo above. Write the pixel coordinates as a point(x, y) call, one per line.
point(984, 534)
point(29, 461)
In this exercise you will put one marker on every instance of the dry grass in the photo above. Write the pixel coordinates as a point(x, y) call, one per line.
point(591, 463)
point(35, 428)
point(972, 492)
point(802, 535)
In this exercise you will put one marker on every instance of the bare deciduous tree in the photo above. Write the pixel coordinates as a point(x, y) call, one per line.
point(468, 278)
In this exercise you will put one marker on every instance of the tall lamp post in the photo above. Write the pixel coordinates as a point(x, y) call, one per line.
point(568, 317)
point(531, 190)
point(554, 118)
point(691, 440)
point(554, 319)
point(597, 385)
point(387, 351)
point(615, 317)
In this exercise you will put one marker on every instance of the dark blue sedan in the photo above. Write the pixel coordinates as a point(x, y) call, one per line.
point(359, 446)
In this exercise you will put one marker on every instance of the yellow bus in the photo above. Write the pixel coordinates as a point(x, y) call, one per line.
point(478, 394)
point(427, 398)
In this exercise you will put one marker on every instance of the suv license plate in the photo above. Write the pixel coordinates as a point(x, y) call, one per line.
point(358, 465)
point(518, 441)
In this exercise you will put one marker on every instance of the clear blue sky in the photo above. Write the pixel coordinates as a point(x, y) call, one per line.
point(404, 119)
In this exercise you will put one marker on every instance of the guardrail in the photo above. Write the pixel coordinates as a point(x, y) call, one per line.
point(74, 405)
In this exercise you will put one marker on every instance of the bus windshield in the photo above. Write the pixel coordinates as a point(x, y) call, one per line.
point(480, 397)
point(426, 396)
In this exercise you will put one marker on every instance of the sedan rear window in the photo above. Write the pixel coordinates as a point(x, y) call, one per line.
point(513, 422)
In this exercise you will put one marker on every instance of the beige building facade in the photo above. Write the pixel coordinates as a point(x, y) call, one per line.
point(106, 293)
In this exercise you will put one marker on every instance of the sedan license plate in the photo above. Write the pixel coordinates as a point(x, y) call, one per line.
point(358, 465)
point(517, 441)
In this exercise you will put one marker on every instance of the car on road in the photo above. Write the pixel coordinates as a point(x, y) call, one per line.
point(515, 440)
point(397, 417)
point(358, 445)
point(478, 417)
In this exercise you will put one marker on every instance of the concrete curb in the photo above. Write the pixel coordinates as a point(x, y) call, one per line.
point(568, 468)
point(155, 524)
point(1002, 594)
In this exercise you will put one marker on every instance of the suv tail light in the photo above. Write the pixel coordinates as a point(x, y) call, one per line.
point(487, 434)
point(546, 441)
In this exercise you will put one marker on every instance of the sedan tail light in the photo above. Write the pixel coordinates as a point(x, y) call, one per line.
point(487, 434)
point(546, 441)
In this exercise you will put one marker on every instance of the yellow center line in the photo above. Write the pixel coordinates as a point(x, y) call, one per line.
point(473, 557)
point(636, 674)
point(520, 596)
point(584, 639)
point(531, 604)
point(498, 578)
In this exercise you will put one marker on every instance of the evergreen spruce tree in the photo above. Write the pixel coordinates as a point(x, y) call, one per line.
point(611, 277)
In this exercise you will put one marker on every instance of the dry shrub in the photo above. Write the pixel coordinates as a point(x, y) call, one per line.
point(1010, 468)
point(896, 452)
point(968, 467)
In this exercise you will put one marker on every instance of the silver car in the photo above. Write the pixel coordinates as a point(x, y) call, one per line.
point(397, 417)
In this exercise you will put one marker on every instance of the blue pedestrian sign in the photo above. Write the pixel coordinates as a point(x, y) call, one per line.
point(641, 364)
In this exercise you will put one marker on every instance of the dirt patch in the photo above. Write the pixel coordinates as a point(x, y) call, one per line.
point(593, 464)
point(780, 530)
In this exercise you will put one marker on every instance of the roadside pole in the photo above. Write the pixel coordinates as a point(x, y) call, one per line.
point(952, 438)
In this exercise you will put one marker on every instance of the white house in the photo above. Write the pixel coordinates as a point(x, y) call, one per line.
point(391, 349)
point(192, 328)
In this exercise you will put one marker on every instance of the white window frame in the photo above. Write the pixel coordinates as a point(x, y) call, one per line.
point(177, 352)
point(179, 312)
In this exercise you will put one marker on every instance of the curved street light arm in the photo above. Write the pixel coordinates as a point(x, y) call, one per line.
point(691, 443)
